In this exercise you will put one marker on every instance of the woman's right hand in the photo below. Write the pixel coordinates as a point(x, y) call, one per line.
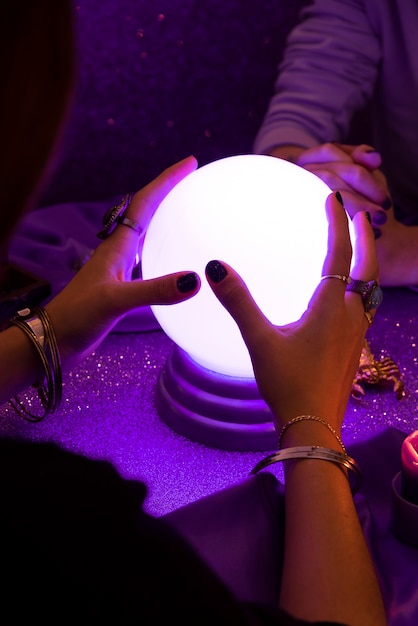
point(308, 366)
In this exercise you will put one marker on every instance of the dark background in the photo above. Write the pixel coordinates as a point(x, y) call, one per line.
point(159, 80)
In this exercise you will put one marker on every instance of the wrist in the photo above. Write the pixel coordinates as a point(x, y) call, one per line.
point(287, 152)
point(315, 463)
point(38, 329)
point(308, 429)
point(306, 434)
point(66, 336)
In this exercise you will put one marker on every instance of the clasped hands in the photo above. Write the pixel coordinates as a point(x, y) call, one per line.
point(355, 172)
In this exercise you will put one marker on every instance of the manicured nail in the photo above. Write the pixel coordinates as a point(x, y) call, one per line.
point(386, 204)
point(380, 218)
point(339, 198)
point(367, 214)
point(377, 233)
point(216, 271)
point(371, 151)
point(187, 282)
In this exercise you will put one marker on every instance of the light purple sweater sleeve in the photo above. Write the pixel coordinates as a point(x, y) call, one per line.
point(340, 55)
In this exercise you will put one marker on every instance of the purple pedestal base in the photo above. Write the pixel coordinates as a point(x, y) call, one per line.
point(213, 409)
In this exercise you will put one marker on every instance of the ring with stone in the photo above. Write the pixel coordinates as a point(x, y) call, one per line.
point(370, 292)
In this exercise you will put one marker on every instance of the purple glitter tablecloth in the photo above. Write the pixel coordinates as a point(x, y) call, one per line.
point(108, 411)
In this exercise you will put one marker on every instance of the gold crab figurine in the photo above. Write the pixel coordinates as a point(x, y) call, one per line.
point(372, 372)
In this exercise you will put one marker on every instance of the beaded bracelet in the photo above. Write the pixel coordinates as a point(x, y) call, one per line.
point(38, 328)
point(314, 452)
point(314, 418)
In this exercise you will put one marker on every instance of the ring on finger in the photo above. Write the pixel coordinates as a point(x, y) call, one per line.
point(345, 279)
point(126, 221)
point(368, 317)
point(117, 215)
point(370, 292)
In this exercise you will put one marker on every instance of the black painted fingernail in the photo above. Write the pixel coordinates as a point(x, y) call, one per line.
point(339, 198)
point(386, 204)
point(367, 214)
point(377, 233)
point(216, 271)
point(187, 282)
point(380, 218)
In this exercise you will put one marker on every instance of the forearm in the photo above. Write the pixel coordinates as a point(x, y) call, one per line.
point(327, 562)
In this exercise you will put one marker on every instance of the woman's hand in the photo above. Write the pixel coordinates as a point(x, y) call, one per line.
point(353, 170)
point(308, 366)
point(102, 292)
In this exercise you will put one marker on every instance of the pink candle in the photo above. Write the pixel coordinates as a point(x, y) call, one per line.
point(409, 458)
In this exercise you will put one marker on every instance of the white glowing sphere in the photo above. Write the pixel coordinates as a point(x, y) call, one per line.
point(262, 215)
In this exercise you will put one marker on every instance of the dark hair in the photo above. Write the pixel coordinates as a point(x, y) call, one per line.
point(37, 67)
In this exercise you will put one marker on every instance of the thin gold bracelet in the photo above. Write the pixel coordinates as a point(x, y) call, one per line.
point(314, 452)
point(38, 328)
point(313, 418)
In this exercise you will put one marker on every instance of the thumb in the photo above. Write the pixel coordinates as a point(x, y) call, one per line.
point(363, 154)
point(168, 289)
point(367, 156)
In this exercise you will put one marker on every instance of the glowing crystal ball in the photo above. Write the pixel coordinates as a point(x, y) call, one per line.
point(262, 215)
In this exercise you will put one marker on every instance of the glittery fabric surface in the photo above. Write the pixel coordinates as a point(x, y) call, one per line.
point(108, 411)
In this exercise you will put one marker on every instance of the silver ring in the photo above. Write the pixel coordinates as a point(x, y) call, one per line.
point(346, 279)
point(126, 221)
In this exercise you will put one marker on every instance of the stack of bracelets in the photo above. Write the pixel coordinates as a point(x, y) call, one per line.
point(37, 327)
point(314, 452)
